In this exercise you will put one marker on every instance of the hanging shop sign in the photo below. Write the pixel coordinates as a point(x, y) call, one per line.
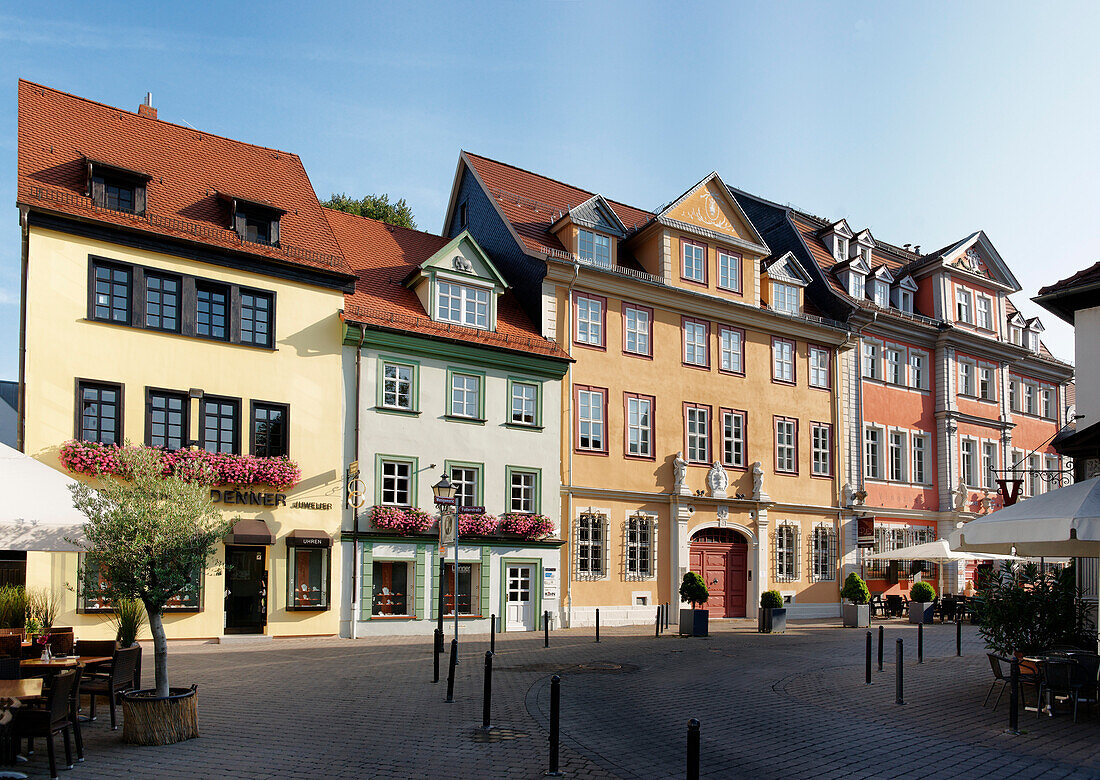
point(865, 531)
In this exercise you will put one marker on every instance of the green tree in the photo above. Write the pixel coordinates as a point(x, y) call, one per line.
point(374, 206)
point(147, 534)
point(693, 589)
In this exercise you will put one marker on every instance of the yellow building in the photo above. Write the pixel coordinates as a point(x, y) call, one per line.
point(183, 290)
point(699, 420)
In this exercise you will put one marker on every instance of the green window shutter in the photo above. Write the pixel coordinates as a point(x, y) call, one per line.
point(366, 578)
point(434, 600)
point(419, 592)
point(486, 556)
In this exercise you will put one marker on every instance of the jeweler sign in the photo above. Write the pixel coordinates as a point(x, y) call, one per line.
point(248, 497)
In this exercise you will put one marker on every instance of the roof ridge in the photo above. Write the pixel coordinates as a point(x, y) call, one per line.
point(162, 121)
point(382, 222)
point(590, 193)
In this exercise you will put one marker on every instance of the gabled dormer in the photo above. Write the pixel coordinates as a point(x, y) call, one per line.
point(783, 284)
point(837, 238)
point(254, 221)
point(976, 259)
point(1016, 326)
point(592, 230)
point(878, 286)
point(115, 188)
point(1032, 329)
point(903, 294)
point(459, 285)
point(853, 275)
point(862, 244)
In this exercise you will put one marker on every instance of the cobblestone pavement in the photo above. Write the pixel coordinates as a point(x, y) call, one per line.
point(792, 705)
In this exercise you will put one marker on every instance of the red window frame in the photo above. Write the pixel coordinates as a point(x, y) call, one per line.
point(721, 329)
point(722, 412)
point(652, 426)
point(776, 419)
point(718, 270)
point(814, 425)
point(706, 254)
point(575, 312)
point(828, 367)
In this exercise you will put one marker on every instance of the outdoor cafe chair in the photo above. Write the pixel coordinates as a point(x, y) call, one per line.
point(11, 645)
point(49, 719)
point(894, 605)
point(9, 668)
point(119, 679)
point(61, 642)
point(878, 606)
point(1061, 677)
point(999, 676)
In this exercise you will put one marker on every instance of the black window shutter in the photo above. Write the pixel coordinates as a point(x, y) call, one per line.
point(239, 223)
point(99, 192)
point(139, 199)
point(275, 231)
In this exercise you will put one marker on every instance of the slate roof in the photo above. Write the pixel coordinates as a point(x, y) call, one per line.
point(383, 256)
point(532, 203)
point(58, 132)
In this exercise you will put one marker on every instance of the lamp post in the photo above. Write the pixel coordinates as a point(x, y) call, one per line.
point(444, 491)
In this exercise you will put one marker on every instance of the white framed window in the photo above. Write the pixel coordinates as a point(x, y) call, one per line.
point(639, 547)
point(824, 554)
point(732, 347)
point(636, 326)
point(782, 360)
point(882, 294)
point(895, 366)
point(733, 438)
point(920, 459)
point(588, 327)
point(523, 490)
point(1016, 335)
point(591, 549)
point(785, 298)
point(872, 368)
point(786, 553)
point(872, 452)
point(897, 456)
point(786, 445)
point(1048, 403)
point(525, 403)
point(594, 248)
point(465, 395)
point(840, 245)
point(905, 301)
point(986, 387)
point(1034, 479)
point(819, 367)
point(918, 369)
point(396, 487)
point(462, 304)
point(1029, 398)
point(639, 426)
point(590, 419)
point(729, 271)
point(694, 261)
point(695, 343)
point(1013, 394)
point(697, 433)
point(856, 285)
point(968, 466)
point(966, 378)
point(964, 306)
point(989, 463)
point(397, 386)
point(985, 312)
point(1033, 341)
point(822, 438)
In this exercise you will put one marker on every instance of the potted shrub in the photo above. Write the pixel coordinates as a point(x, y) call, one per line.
point(694, 621)
point(921, 596)
point(147, 532)
point(127, 618)
point(857, 611)
point(771, 618)
point(1026, 612)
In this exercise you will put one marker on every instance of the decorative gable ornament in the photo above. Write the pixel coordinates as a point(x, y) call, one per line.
point(972, 261)
point(717, 480)
point(907, 283)
point(460, 263)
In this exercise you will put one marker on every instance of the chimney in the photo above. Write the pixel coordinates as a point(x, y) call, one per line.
point(917, 249)
point(146, 107)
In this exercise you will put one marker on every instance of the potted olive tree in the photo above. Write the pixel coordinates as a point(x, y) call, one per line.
point(771, 618)
point(857, 612)
point(921, 606)
point(146, 536)
point(694, 622)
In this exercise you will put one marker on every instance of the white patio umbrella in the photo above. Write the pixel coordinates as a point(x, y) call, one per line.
point(938, 551)
point(1063, 522)
point(36, 508)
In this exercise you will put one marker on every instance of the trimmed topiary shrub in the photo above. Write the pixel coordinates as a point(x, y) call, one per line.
point(922, 593)
point(855, 590)
point(770, 599)
point(693, 589)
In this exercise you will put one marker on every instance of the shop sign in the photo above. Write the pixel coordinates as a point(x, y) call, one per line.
point(314, 505)
point(550, 583)
point(248, 497)
point(865, 532)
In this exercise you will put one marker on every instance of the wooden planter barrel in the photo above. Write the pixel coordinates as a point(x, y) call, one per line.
point(151, 720)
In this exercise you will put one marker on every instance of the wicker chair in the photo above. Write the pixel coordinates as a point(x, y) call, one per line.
point(52, 717)
point(11, 645)
point(9, 668)
point(120, 678)
point(61, 642)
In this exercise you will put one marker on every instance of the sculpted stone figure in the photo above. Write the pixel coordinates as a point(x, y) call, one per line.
point(758, 493)
point(680, 469)
point(717, 480)
point(960, 496)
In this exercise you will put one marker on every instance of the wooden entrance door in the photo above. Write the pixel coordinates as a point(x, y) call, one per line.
point(720, 557)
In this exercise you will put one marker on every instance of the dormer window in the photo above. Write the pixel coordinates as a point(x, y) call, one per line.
point(866, 252)
point(856, 285)
point(785, 298)
point(116, 189)
point(905, 301)
point(840, 248)
point(1016, 335)
point(1033, 341)
point(462, 304)
point(254, 222)
point(880, 293)
point(594, 248)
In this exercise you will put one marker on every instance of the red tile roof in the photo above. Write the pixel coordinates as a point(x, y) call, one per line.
point(383, 256)
point(532, 203)
point(58, 131)
point(1090, 275)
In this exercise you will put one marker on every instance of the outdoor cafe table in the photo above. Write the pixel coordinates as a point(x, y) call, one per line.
point(30, 688)
point(36, 666)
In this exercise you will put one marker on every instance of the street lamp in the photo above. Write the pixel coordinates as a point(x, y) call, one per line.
point(444, 491)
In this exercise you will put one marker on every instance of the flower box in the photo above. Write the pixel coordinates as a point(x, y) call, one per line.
point(528, 526)
point(401, 520)
point(483, 524)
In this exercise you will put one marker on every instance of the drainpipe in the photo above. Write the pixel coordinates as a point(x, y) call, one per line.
point(569, 418)
point(859, 404)
point(25, 249)
point(355, 552)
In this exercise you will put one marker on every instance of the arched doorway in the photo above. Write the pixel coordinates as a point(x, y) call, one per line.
point(720, 557)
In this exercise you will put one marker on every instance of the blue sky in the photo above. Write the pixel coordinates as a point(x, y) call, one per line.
point(921, 121)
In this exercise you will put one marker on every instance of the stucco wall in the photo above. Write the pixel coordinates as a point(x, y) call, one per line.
point(1088, 366)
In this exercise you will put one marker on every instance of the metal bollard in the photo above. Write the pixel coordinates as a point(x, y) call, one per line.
point(920, 643)
point(868, 657)
point(958, 637)
point(451, 674)
point(899, 671)
point(555, 712)
point(597, 624)
point(657, 628)
point(492, 633)
point(487, 694)
point(693, 750)
point(546, 628)
point(1014, 699)
point(880, 640)
point(435, 652)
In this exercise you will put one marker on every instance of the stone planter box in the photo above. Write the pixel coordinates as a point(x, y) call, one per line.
point(920, 612)
point(771, 621)
point(856, 615)
point(694, 622)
